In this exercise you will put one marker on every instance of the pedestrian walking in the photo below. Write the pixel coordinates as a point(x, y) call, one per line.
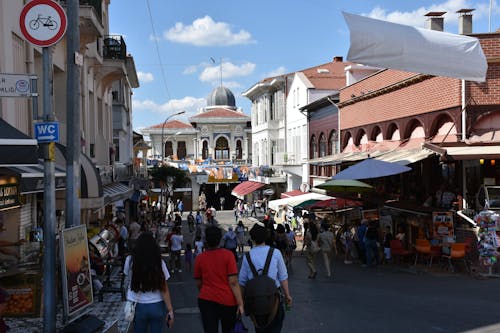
point(371, 244)
point(387, 244)
point(292, 245)
point(198, 245)
point(199, 218)
point(134, 230)
point(148, 286)
point(312, 248)
point(175, 250)
point(190, 221)
point(327, 243)
point(359, 240)
point(253, 211)
point(216, 275)
point(277, 271)
point(231, 242)
point(188, 258)
point(240, 235)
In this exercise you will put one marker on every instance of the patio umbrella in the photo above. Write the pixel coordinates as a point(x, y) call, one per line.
point(335, 203)
point(306, 203)
point(371, 168)
point(345, 185)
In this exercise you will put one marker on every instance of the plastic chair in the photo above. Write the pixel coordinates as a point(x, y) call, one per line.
point(397, 250)
point(422, 248)
point(457, 252)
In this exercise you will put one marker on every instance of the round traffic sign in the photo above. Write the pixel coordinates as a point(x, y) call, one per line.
point(43, 22)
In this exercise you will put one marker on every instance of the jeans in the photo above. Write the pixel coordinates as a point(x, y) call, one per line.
point(371, 252)
point(150, 317)
point(276, 324)
point(212, 313)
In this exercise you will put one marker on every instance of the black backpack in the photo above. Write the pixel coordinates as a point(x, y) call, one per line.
point(261, 294)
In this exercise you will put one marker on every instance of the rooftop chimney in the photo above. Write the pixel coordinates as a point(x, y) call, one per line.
point(465, 21)
point(435, 21)
point(338, 59)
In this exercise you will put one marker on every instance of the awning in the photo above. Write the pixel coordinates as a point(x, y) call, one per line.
point(293, 201)
point(245, 188)
point(91, 190)
point(290, 194)
point(405, 156)
point(473, 152)
point(116, 191)
point(32, 177)
point(16, 148)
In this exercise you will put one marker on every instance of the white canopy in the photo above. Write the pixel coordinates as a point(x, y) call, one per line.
point(293, 201)
point(397, 46)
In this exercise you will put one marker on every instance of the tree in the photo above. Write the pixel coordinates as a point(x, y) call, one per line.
point(161, 175)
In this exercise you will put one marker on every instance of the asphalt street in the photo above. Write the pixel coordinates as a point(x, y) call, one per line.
point(390, 298)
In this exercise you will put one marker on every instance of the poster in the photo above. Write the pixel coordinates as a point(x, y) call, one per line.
point(370, 214)
point(442, 225)
point(77, 283)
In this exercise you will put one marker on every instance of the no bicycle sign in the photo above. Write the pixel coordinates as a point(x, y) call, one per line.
point(43, 22)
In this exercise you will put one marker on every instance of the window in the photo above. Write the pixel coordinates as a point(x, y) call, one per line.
point(239, 150)
point(322, 145)
point(332, 143)
point(314, 147)
point(169, 150)
point(221, 149)
point(204, 150)
point(181, 150)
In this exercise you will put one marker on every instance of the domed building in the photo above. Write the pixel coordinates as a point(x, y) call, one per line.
point(218, 139)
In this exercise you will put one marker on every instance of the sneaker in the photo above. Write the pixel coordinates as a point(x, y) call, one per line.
point(180, 270)
point(347, 262)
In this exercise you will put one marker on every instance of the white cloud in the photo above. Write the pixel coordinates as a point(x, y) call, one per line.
point(228, 84)
point(416, 17)
point(206, 32)
point(276, 72)
point(189, 104)
point(145, 77)
point(190, 70)
point(229, 70)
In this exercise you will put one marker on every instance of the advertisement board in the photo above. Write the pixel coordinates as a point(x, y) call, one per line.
point(77, 283)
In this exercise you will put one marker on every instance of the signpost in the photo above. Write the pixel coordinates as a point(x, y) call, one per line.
point(15, 85)
point(43, 23)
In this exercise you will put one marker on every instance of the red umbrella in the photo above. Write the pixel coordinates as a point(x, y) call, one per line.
point(335, 203)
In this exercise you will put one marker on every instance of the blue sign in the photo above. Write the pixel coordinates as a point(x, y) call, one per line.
point(47, 132)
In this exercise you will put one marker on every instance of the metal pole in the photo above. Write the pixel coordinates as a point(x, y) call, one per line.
point(49, 205)
point(73, 117)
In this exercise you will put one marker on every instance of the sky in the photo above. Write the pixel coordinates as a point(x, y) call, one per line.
point(178, 46)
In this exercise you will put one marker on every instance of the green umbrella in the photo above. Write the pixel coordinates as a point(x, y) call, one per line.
point(306, 203)
point(345, 185)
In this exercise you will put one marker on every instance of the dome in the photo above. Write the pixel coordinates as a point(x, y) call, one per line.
point(221, 96)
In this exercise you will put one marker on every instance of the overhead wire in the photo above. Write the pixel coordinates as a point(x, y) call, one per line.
point(155, 39)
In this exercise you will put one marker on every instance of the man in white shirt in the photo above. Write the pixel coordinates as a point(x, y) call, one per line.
point(175, 249)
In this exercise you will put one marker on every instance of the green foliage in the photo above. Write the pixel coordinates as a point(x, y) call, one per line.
point(161, 174)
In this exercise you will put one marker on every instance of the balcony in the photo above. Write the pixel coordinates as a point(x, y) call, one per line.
point(90, 19)
point(114, 47)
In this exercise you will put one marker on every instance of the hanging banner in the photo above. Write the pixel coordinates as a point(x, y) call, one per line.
point(77, 283)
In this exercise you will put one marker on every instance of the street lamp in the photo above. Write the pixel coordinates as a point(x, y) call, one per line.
point(163, 154)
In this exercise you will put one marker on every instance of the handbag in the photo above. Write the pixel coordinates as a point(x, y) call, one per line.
point(239, 327)
point(129, 310)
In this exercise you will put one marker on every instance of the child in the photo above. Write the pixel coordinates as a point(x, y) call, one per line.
point(188, 258)
point(198, 246)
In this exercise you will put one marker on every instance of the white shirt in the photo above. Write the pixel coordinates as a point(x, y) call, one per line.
point(198, 247)
point(143, 297)
point(176, 242)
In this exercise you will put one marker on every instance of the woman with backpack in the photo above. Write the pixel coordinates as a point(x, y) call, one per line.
point(263, 258)
point(216, 275)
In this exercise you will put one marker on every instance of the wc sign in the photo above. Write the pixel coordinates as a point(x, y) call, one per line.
point(47, 132)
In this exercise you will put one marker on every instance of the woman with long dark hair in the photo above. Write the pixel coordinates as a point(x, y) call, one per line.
point(148, 286)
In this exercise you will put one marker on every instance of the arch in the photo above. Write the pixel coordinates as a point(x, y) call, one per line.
point(313, 149)
point(332, 142)
point(442, 123)
point(222, 148)
point(204, 149)
point(414, 129)
point(359, 135)
point(348, 140)
point(239, 150)
point(393, 132)
point(322, 145)
point(376, 134)
point(181, 150)
point(169, 149)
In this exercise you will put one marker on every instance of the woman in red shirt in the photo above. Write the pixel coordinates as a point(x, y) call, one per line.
point(216, 276)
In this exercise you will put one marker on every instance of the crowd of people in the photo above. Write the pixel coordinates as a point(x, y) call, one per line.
point(213, 258)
